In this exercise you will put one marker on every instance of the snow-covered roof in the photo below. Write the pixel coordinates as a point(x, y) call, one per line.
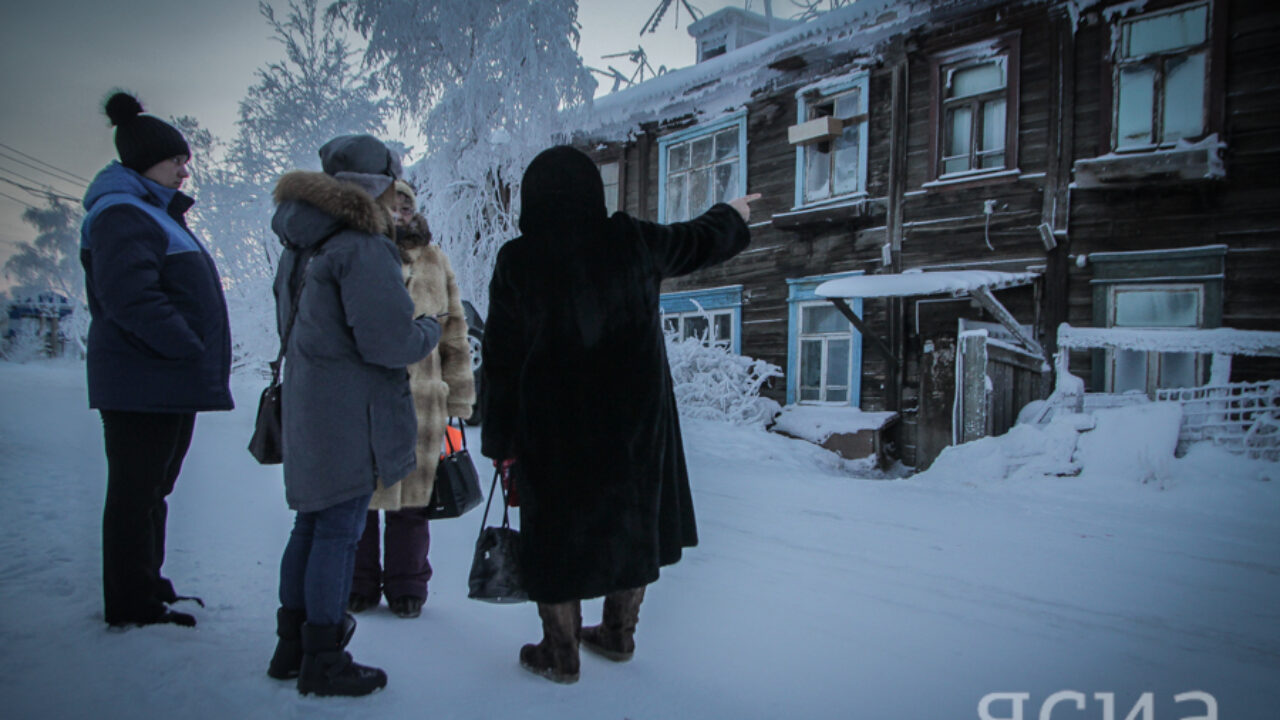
point(1226, 341)
point(911, 283)
point(724, 83)
point(817, 423)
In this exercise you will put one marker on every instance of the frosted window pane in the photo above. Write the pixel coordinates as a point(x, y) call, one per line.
point(701, 152)
point(977, 79)
point(727, 144)
point(671, 324)
point(678, 157)
point(1157, 308)
point(849, 104)
point(1183, 97)
point(724, 327)
point(993, 116)
point(817, 173)
point(726, 183)
point(676, 206)
point(822, 319)
point(1166, 32)
point(1131, 371)
point(955, 165)
point(837, 394)
point(699, 191)
point(811, 365)
point(846, 160)
point(808, 394)
point(1177, 370)
point(838, 363)
point(959, 129)
point(1136, 102)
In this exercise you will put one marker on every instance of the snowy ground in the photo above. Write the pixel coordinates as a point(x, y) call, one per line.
point(812, 595)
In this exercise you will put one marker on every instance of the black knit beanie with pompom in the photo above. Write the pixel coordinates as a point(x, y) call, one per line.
point(142, 140)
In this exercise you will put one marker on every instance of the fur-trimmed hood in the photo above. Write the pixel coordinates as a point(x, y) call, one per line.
point(313, 205)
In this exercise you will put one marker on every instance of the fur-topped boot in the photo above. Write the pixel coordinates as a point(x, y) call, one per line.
point(287, 659)
point(556, 657)
point(327, 669)
point(614, 638)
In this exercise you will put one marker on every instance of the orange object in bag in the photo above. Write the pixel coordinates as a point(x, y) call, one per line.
point(452, 441)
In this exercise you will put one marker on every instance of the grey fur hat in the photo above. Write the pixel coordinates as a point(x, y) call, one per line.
point(362, 160)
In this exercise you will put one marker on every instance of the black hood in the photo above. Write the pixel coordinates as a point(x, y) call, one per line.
point(562, 195)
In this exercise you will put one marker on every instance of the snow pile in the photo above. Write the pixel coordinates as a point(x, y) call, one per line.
point(712, 383)
point(1025, 452)
point(1134, 443)
point(816, 424)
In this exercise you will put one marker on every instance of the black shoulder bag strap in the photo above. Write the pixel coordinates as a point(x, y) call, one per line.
point(300, 271)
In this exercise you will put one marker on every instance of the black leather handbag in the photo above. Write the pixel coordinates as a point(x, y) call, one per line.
point(267, 443)
point(457, 486)
point(495, 569)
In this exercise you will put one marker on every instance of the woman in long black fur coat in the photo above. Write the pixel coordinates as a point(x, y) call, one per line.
point(579, 394)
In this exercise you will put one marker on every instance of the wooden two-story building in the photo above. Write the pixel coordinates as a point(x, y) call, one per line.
point(973, 173)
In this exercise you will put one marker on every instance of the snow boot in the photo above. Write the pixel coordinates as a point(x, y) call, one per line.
point(556, 657)
point(327, 669)
point(406, 606)
point(287, 660)
point(358, 602)
point(614, 638)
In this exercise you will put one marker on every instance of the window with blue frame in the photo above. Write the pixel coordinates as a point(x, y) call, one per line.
point(714, 314)
point(824, 351)
point(834, 168)
point(700, 167)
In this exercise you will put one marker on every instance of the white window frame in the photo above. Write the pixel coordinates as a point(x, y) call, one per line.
point(800, 294)
point(1158, 61)
point(709, 302)
point(738, 120)
point(805, 99)
point(1154, 358)
point(826, 339)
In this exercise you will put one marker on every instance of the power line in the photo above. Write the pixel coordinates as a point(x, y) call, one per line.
point(20, 202)
point(33, 167)
point(38, 191)
point(39, 183)
point(55, 167)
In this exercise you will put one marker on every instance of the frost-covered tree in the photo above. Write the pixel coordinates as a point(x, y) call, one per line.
point(52, 260)
point(712, 383)
point(484, 82)
point(51, 263)
point(316, 91)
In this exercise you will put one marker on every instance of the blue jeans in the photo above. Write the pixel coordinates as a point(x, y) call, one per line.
point(318, 562)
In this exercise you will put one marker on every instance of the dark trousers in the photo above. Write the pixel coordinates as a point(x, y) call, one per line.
point(405, 569)
point(144, 456)
point(315, 572)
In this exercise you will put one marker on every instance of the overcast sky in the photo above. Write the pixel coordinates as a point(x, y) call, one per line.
point(189, 57)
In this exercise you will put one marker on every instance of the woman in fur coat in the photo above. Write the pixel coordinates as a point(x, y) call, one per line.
point(443, 387)
point(579, 395)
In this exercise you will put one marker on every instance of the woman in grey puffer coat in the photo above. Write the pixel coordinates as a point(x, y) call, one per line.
point(348, 414)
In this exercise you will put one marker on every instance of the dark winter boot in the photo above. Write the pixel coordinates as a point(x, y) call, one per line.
point(556, 657)
point(287, 659)
point(614, 638)
point(327, 669)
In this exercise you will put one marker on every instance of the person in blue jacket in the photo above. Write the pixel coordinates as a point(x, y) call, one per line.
point(159, 351)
